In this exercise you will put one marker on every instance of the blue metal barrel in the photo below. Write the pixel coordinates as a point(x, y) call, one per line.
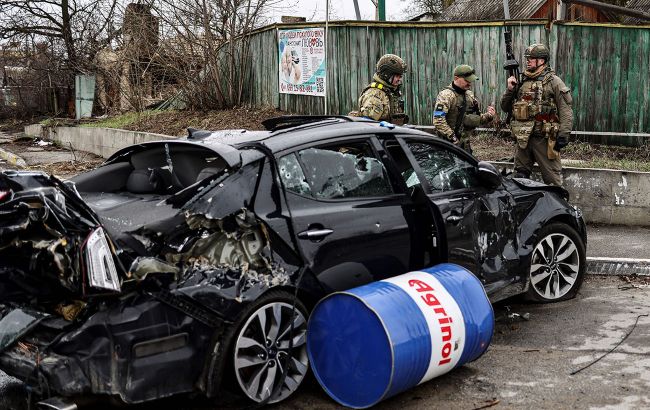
point(372, 342)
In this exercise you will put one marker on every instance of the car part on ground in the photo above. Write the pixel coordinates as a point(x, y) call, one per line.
point(373, 342)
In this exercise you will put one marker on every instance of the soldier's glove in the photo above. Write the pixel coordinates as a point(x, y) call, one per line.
point(561, 141)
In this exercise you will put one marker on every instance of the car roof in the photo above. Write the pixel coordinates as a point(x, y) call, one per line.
point(320, 129)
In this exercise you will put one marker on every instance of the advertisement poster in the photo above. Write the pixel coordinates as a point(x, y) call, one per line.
point(302, 61)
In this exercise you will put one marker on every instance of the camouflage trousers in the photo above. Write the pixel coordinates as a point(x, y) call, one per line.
point(537, 151)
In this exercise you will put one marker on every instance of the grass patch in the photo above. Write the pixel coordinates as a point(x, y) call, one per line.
point(122, 120)
point(620, 164)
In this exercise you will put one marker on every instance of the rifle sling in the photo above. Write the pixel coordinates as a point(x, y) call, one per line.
point(461, 117)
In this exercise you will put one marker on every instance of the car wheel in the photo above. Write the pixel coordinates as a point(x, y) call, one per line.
point(266, 367)
point(557, 264)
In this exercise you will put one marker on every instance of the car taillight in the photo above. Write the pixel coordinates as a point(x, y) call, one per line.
point(4, 195)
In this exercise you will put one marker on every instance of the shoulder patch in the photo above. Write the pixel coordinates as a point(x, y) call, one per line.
point(566, 95)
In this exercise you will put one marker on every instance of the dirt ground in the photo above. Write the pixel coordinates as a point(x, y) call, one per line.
point(487, 146)
point(177, 122)
point(41, 156)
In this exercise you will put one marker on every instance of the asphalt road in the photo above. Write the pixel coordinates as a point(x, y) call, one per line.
point(528, 364)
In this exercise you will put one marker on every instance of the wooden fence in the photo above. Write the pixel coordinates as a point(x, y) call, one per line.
point(606, 66)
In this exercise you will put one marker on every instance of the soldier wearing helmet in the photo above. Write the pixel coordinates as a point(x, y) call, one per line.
point(382, 99)
point(542, 116)
point(457, 111)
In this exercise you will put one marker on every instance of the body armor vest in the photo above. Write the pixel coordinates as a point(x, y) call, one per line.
point(395, 103)
point(459, 115)
point(534, 112)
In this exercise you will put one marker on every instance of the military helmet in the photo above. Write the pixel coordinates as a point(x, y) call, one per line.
point(537, 50)
point(389, 65)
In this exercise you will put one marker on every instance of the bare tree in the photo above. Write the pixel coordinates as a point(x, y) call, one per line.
point(207, 43)
point(416, 7)
point(77, 27)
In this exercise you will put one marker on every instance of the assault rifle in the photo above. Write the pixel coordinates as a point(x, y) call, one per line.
point(511, 65)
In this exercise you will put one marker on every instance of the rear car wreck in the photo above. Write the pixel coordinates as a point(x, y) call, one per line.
point(191, 265)
point(112, 302)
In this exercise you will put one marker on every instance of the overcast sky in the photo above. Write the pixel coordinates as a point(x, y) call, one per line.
point(341, 9)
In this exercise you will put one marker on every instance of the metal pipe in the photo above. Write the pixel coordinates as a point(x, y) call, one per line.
point(327, 21)
point(610, 7)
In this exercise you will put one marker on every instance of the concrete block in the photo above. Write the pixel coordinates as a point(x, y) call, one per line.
point(595, 214)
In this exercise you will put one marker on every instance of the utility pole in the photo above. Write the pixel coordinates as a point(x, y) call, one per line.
point(356, 9)
point(506, 10)
point(381, 9)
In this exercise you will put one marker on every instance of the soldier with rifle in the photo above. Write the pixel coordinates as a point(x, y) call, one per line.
point(457, 112)
point(540, 115)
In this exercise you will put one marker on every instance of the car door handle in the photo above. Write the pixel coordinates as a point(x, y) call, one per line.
point(315, 233)
point(454, 219)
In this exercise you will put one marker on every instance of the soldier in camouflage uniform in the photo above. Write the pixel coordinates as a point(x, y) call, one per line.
point(382, 99)
point(457, 111)
point(542, 116)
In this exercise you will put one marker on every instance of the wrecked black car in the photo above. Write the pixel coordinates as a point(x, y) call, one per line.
point(191, 265)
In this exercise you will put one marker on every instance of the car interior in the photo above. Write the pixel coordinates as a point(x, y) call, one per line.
point(132, 192)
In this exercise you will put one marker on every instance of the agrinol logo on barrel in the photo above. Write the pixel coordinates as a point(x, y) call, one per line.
point(444, 320)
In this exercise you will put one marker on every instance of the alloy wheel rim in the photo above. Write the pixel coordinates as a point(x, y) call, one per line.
point(555, 266)
point(262, 352)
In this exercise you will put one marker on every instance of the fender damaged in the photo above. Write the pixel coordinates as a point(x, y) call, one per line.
point(156, 310)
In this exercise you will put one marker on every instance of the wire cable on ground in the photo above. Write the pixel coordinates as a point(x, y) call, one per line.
point(613, 348)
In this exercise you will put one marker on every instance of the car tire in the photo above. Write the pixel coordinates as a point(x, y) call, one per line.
point(259, 350)
point(557, 264)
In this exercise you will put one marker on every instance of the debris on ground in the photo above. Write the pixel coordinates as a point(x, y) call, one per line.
point(513, 316)
point(634, 281)
point(488, 404)
point(68, 168)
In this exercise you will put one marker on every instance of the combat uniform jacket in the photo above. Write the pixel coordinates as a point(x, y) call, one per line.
point(541, 108)
point(381, 102)
point(448, 110)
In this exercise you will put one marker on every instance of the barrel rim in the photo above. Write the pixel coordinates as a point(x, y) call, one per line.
point(390, 342)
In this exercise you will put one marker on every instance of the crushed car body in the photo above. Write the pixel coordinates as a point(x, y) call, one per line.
point(201, 257)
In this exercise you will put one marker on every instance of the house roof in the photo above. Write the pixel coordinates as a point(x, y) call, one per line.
point(473, 10)
point(639, 5)
point(424, 16)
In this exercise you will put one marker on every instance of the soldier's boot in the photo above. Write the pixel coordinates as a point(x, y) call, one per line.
point(521, 173)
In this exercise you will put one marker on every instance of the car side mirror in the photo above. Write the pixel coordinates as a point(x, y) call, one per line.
point(488, 174)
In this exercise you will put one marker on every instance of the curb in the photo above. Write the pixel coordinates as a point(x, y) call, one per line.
point(12, 159)
point(617, 266)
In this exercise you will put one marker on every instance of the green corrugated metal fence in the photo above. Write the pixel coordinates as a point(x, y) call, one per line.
point(606, 66)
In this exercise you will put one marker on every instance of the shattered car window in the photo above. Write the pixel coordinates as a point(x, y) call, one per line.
point(443, 169)
point(292, 175)
point(344, 171)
